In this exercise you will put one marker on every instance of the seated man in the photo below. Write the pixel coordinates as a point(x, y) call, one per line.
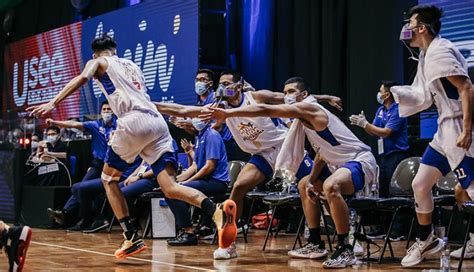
point(100, 130)
point(208, 174)
point(52, 147)
point(88, 194)
point(16, 241)
point(346, 167)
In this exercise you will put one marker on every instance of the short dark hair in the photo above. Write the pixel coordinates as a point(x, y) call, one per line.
point(389, 83)
point(301, 83)
point(103, 43)
point(55, 128)
point(210, 74)
point(428, 14)
point(105, 102)
point(236, 77)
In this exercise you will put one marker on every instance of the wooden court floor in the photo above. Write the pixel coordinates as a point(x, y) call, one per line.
point(57, 250)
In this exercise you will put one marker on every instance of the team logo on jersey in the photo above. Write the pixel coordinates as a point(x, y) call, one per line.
point(249, 131)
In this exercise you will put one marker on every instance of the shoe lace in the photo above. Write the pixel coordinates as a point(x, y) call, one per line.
point(416, 245)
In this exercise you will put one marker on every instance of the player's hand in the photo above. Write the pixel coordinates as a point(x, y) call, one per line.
point(336, 102)
point(464, 140)
point(49, 122)
point(41, 110)
point(214, 113)
point(130, 180)
point(186, 145)
point(312, 194)
point(359, 120)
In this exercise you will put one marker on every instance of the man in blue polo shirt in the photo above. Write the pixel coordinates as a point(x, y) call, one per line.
point(100, 130)
point(208, 174)
point(392, 131)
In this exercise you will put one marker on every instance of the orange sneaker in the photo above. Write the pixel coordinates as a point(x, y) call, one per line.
point(130, 247)
point(224, 217)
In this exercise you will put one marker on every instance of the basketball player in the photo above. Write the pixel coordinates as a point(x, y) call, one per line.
point(441, 78)
point(346, 166)
point(16, 240)
point(260, 136)
point(141, 130)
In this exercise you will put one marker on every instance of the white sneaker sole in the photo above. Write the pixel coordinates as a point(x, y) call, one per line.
point(352, 262)
point(312, 256)
point(467, 255)
point(427, 253)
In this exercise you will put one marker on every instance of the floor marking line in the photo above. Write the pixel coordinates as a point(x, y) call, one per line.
point(112, 255)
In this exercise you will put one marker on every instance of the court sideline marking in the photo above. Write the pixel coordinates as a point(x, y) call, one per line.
point(131, 258)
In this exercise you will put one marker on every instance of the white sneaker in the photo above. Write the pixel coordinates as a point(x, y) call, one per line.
point(342, 257)
point(309, 251)
point(226, 253)
point(469, 253)
point(421, 249)
point(358, 250)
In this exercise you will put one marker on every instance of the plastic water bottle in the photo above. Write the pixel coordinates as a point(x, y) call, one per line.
point(352, 222)
point(445, 258)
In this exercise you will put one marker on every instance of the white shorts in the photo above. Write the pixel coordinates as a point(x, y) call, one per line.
point(444, 141)
point(143, 134)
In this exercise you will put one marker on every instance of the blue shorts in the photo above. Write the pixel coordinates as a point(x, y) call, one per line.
point(114, 161)
point(160, 164)
point(357, 174)
point(267, 170)
point(464, 172)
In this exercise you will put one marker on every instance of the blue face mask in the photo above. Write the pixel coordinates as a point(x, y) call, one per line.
point(200, 88)
point(199, 124)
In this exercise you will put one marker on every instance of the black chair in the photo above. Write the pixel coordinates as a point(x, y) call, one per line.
point(468, 209)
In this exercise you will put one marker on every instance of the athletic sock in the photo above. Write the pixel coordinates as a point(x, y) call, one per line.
point(208, 206)
point(343, 239)
point(127, 226)
point(315, 236)
point(425, 231)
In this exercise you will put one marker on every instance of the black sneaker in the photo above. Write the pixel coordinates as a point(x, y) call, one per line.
point(97, 225)
point(17, 246)
point(184, 239)
point(81, 225)
point(204, 232)
point(130, 247)
point(341, 258)
point(57, 216)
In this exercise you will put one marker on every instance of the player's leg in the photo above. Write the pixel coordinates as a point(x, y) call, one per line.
point(16, 240)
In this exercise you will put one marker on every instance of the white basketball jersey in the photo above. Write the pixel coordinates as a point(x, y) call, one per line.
point(256, 134)
point(124, 86)
point(337, 144)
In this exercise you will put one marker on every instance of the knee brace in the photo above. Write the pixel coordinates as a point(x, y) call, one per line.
point(422, 186)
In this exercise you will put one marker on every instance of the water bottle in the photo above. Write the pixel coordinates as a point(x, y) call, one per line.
point(445, 258)
point(306, 232)
point(352, 222)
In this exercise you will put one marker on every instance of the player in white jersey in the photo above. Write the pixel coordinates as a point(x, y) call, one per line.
point(141, 130)
point(262, 137)
point(441, 77)
point(343, 162)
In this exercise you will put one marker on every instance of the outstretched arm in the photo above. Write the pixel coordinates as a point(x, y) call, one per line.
point(64, 124)
point(88, 72)
point(273, 98)
point(179, 110)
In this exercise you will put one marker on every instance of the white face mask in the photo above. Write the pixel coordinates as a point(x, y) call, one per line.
point(200, 88)
point(290, 99)
point(199, 124)
point(107, 116)
point(34, 145)
point(52, 139)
